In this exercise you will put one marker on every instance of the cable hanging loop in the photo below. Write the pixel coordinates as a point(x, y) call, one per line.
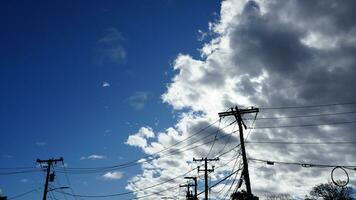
point(340, 183)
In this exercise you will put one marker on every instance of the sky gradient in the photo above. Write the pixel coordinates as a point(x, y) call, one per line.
point(106, 83)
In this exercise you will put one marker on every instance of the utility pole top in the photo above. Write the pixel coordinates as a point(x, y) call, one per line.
point(240, 111)
point(49, 176)
point(50, 160)
point(206, 170)
point(208, 159)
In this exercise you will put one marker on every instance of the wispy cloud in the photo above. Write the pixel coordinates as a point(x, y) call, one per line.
point(105, 84)
point(7, 156)
point(93, 157)
point(115, 175)
point(138, 100)
point(24, 180)
point(41, 143)
point(109, 48)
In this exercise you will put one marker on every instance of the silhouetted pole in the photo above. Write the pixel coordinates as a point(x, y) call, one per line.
point(188, 195)
point(237, 113)
point(195, 186)
point(49, 164)
point(206, 170)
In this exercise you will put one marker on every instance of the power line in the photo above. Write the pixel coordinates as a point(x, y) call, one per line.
point(129, 192)
point(309, 106)
point(222, 189)
point(19, 172)
point(304, 164)
point(303, 125)
point(68, 181)
point(301, 143)
point(215, 138)
point(139, 190)
point(301, 116)
point(25, 193)
point(139, 161)
point(12, 168)
point(226, 177)
point(151, 159)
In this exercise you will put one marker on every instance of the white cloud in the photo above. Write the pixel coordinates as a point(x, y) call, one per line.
point(93, 157)
point(265, 53)
point(115, 175)
point(139, 139)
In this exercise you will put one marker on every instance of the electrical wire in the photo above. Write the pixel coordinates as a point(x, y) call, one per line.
point(232, 184)
point(19, 172)
point(300, 143)
point(148, 160)
point(140, 160)
point(58, 183)
point(142, 189)
point(301, 116)
point(12, 168)
point(303, 125)
point(129, 164)
point(23, 194)
point(353, 167)
point(68, 181)
point(235, 164)
point(226, 177)
point(215, 138)
point(129, 192)
point(309, 106)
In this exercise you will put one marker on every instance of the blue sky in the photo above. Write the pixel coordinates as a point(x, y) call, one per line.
point(77, 78)
point(105, 82)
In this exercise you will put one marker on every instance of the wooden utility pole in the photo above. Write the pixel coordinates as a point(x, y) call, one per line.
point(206, 170)
point(189, 195)
point(48, 166)
point(195, 186)
point(237, 114)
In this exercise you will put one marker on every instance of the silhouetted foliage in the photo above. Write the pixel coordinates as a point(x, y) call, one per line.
point(242, 195)
point(329, 191)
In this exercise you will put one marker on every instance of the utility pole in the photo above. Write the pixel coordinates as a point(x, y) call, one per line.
point(189, 195)
point(206, 170)
point(237, 113)
point(195, 186)
point(49, 176)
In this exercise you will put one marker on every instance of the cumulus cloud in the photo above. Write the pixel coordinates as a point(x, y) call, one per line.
point(139, 139)
point(109, 48)
point(93, 157)
point(115, 175)
point(265, 54)
point(138, 100)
